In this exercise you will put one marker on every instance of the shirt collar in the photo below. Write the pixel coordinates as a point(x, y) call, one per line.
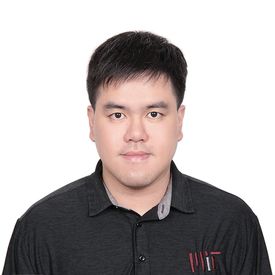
point(99, 199)
point(181, 194)
point(163, 206)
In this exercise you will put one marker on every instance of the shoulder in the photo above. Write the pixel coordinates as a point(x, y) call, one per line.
point(57, 203)
point(208, 198)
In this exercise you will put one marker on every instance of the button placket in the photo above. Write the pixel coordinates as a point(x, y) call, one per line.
point(142, 261)
point(141, 257)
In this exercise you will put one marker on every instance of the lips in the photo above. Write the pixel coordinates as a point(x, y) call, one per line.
point(136, 155)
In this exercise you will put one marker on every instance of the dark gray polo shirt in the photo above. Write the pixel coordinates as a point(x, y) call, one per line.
point(79, 229)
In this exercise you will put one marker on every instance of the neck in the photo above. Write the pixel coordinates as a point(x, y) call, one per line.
point(141, 199)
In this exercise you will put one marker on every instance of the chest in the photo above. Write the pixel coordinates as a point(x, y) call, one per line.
point(176, 245)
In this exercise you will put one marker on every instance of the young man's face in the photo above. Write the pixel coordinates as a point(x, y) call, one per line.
point(136, 127)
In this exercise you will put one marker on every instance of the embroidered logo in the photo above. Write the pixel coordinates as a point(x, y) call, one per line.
point(204, 260)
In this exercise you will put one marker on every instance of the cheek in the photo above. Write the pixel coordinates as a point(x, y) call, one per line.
point(108, 138)
point(103, 129)
point(168, 129)
point(164, 137)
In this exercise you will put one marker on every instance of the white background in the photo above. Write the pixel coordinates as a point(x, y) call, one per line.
point(228, 128)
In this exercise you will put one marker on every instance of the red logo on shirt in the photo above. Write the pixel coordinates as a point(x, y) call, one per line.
point(204, 260)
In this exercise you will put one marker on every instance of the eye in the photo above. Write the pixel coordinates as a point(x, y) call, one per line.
point(155, 114)
point(116, 116)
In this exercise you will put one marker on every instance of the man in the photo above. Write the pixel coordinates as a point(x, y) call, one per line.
point(137, 213)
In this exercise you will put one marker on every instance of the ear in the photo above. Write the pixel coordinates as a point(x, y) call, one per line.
point(181, 112)
point(91, 117)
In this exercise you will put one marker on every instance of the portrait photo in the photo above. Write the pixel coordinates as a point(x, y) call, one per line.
point(137, 138)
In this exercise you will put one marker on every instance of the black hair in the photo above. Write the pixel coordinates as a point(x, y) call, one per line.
point(129, 55)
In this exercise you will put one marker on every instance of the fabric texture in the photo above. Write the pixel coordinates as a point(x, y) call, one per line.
point(78, 230)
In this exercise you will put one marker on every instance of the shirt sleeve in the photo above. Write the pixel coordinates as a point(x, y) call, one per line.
point(17, 258)
point(254, 258)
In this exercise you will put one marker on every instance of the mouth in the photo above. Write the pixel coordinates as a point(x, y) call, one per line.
point(136, 157)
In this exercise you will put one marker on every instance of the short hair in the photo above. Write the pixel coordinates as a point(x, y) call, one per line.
point(134, 54)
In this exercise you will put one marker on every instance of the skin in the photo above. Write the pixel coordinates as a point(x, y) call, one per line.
point(136, 185)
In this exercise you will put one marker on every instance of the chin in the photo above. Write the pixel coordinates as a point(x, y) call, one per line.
point(136, 185)
point(133, 178)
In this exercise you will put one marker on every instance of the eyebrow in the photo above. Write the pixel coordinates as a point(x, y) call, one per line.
point(112, 105)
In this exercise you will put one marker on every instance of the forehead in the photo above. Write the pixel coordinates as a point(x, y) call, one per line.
point(138, 92)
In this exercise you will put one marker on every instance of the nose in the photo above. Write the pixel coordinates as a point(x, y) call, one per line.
point(136, 131)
